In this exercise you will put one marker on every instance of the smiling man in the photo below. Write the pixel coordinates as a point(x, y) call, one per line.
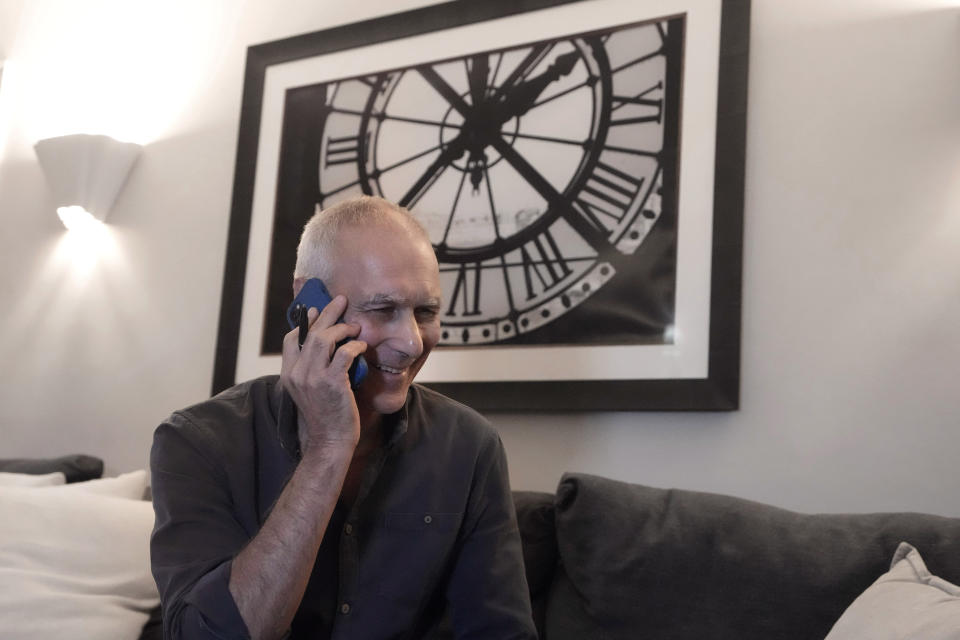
point(295, 507)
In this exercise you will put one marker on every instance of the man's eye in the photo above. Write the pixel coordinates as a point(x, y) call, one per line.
point(428, 313)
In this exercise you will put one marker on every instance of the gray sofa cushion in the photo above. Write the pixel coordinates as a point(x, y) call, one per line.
point(641, 562)
point(76, 468)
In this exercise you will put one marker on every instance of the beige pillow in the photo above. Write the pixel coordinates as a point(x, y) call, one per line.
point(74, 564)
point(8, 479)
point(907, 602)
point(130, 485)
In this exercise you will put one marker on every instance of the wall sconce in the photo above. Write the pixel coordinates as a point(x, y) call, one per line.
point(86, 173)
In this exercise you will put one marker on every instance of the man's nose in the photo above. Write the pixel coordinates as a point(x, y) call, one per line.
point(409, 338)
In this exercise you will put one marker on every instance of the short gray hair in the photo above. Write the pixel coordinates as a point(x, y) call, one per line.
point(319, 239)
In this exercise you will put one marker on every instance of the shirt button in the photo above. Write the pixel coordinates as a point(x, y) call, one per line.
point(344, 608)
point(428, 519)
point(348, 528)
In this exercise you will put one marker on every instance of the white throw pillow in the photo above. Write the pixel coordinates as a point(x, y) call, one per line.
point(131, 485)
point(906, 603)
point(75, 564)
point(8, 479)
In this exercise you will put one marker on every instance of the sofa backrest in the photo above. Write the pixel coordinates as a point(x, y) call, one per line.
point(641, 562)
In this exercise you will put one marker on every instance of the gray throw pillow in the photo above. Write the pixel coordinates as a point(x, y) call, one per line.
point(76, 468)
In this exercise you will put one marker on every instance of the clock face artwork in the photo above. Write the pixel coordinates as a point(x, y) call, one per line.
point(545, 175)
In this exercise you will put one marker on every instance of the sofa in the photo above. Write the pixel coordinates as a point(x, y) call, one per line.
point(608, 560)
point(604, 560)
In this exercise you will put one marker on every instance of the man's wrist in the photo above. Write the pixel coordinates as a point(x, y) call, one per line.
point(325, 451)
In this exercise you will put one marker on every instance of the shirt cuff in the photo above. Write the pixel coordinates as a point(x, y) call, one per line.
point(216, 611)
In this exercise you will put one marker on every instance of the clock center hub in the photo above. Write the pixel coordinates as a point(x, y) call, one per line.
point(477, 131)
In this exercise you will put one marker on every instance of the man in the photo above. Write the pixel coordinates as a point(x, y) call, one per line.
point(295, 507)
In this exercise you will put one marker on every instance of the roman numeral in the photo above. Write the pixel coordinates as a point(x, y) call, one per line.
point(344, 150)
point(641, 100)
point(469, 288)
point(543, 264)
point(609, 192)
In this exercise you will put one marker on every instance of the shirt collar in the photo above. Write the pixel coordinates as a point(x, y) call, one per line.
point(395, 425)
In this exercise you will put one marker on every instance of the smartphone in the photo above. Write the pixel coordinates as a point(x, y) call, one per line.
point(314, 294)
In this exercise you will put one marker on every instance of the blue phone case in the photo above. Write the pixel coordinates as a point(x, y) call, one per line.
point(314, 294)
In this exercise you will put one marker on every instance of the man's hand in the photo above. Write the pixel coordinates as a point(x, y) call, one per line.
point(317, 378)
point(268, 578)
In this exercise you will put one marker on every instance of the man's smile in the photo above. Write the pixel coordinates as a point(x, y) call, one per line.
point(383, 367)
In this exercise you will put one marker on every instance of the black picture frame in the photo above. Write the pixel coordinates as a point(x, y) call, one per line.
point(717, 390)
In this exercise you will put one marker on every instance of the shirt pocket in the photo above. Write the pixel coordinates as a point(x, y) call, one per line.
point(412, 551)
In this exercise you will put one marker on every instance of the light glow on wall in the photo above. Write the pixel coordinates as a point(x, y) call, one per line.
point(77, 219)
point(113, 67)
point(87, 243)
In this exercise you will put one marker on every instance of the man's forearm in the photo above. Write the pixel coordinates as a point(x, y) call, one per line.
point(268, 578)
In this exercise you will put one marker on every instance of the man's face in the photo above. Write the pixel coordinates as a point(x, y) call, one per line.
point(392, 285)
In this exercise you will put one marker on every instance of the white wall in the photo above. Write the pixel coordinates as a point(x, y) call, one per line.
point(851, 318)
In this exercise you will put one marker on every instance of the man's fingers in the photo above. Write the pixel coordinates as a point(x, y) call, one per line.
point(328, 316)
point(346, 354)
point(291, 347)
point(322, 344)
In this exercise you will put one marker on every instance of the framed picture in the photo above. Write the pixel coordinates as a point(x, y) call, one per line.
point(577, 164)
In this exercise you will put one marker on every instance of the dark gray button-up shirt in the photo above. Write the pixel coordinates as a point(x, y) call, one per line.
point(432, 530)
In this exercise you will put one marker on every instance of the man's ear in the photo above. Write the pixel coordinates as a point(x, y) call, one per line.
point(297, 285)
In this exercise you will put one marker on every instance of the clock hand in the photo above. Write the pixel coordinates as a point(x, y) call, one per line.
point(477, 75)
point(445, 90)
point(481, 123)
point(453, 150)
point(595, 236)
point(478, 125)
point(520, 98)
point(512, 101)
point(531, 60)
